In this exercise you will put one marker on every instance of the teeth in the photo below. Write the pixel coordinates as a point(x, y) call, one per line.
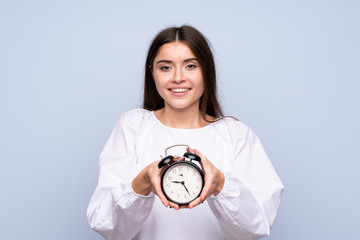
point(179, 90)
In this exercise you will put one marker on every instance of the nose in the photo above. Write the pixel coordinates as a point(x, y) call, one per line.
point(179, 75)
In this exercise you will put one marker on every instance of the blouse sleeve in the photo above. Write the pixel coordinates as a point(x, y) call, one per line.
point(247, 205)
point(115, 211)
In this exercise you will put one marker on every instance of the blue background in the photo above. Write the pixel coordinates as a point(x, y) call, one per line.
point(68, 70)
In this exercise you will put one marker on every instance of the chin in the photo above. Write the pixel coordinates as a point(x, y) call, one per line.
point(181, 107)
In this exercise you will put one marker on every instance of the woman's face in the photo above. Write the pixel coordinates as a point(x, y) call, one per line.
point(178, 76)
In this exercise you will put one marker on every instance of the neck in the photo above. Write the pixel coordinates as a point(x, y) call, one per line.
point(181, 118)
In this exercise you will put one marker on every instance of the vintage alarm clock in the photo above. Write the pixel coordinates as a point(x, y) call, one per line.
point(182, 180)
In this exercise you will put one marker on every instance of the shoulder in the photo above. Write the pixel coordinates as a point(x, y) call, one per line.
point(134, 119)
point(233, 131)
point(232, 125)
point(136, 115)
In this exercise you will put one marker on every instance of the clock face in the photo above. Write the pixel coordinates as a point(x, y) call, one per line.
point(182, 182)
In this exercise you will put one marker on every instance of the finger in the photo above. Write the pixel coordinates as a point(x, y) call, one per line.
point(193, 150)
point(164, 200)
point(174, 205)
point(207, 190)
point(202, 157)
point(175, 159)
point(158, 191)
point(162, 197)
point(207, 187)
point(196, 202)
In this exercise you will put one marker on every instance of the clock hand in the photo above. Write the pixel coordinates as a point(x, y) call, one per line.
point(177, 182)
point(183, 183)
point(186, 189)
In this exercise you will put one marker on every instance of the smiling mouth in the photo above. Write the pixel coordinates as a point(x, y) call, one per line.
point(179, 90)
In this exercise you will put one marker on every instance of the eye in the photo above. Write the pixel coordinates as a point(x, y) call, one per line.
point(191, 66)
point(164, 68)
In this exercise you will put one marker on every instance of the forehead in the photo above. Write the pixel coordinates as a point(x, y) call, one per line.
point(175, 50)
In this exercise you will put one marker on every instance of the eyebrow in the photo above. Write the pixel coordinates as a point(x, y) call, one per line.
point(169, 61)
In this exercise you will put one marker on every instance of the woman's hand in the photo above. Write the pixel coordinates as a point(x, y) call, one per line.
point(150, 177)
point(148, 180)
point(214, 179)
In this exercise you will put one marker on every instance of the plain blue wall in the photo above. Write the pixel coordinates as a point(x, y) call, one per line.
point(68, 70)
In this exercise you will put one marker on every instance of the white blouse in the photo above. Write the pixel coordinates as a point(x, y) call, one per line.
point(244, 209)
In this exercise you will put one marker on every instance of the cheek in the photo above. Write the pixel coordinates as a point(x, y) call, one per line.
point(160, 86)
point(156, 81)
point(159, 79)
point(201, 85)
point(200, 82)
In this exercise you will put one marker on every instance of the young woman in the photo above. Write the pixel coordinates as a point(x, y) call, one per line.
point(242, 191)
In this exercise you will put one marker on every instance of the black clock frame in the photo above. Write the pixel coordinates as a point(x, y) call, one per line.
point(184, 163)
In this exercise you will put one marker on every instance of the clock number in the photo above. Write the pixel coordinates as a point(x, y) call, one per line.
point(182, 183)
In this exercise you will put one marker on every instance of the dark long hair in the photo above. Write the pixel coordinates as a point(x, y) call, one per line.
point(199, 46)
